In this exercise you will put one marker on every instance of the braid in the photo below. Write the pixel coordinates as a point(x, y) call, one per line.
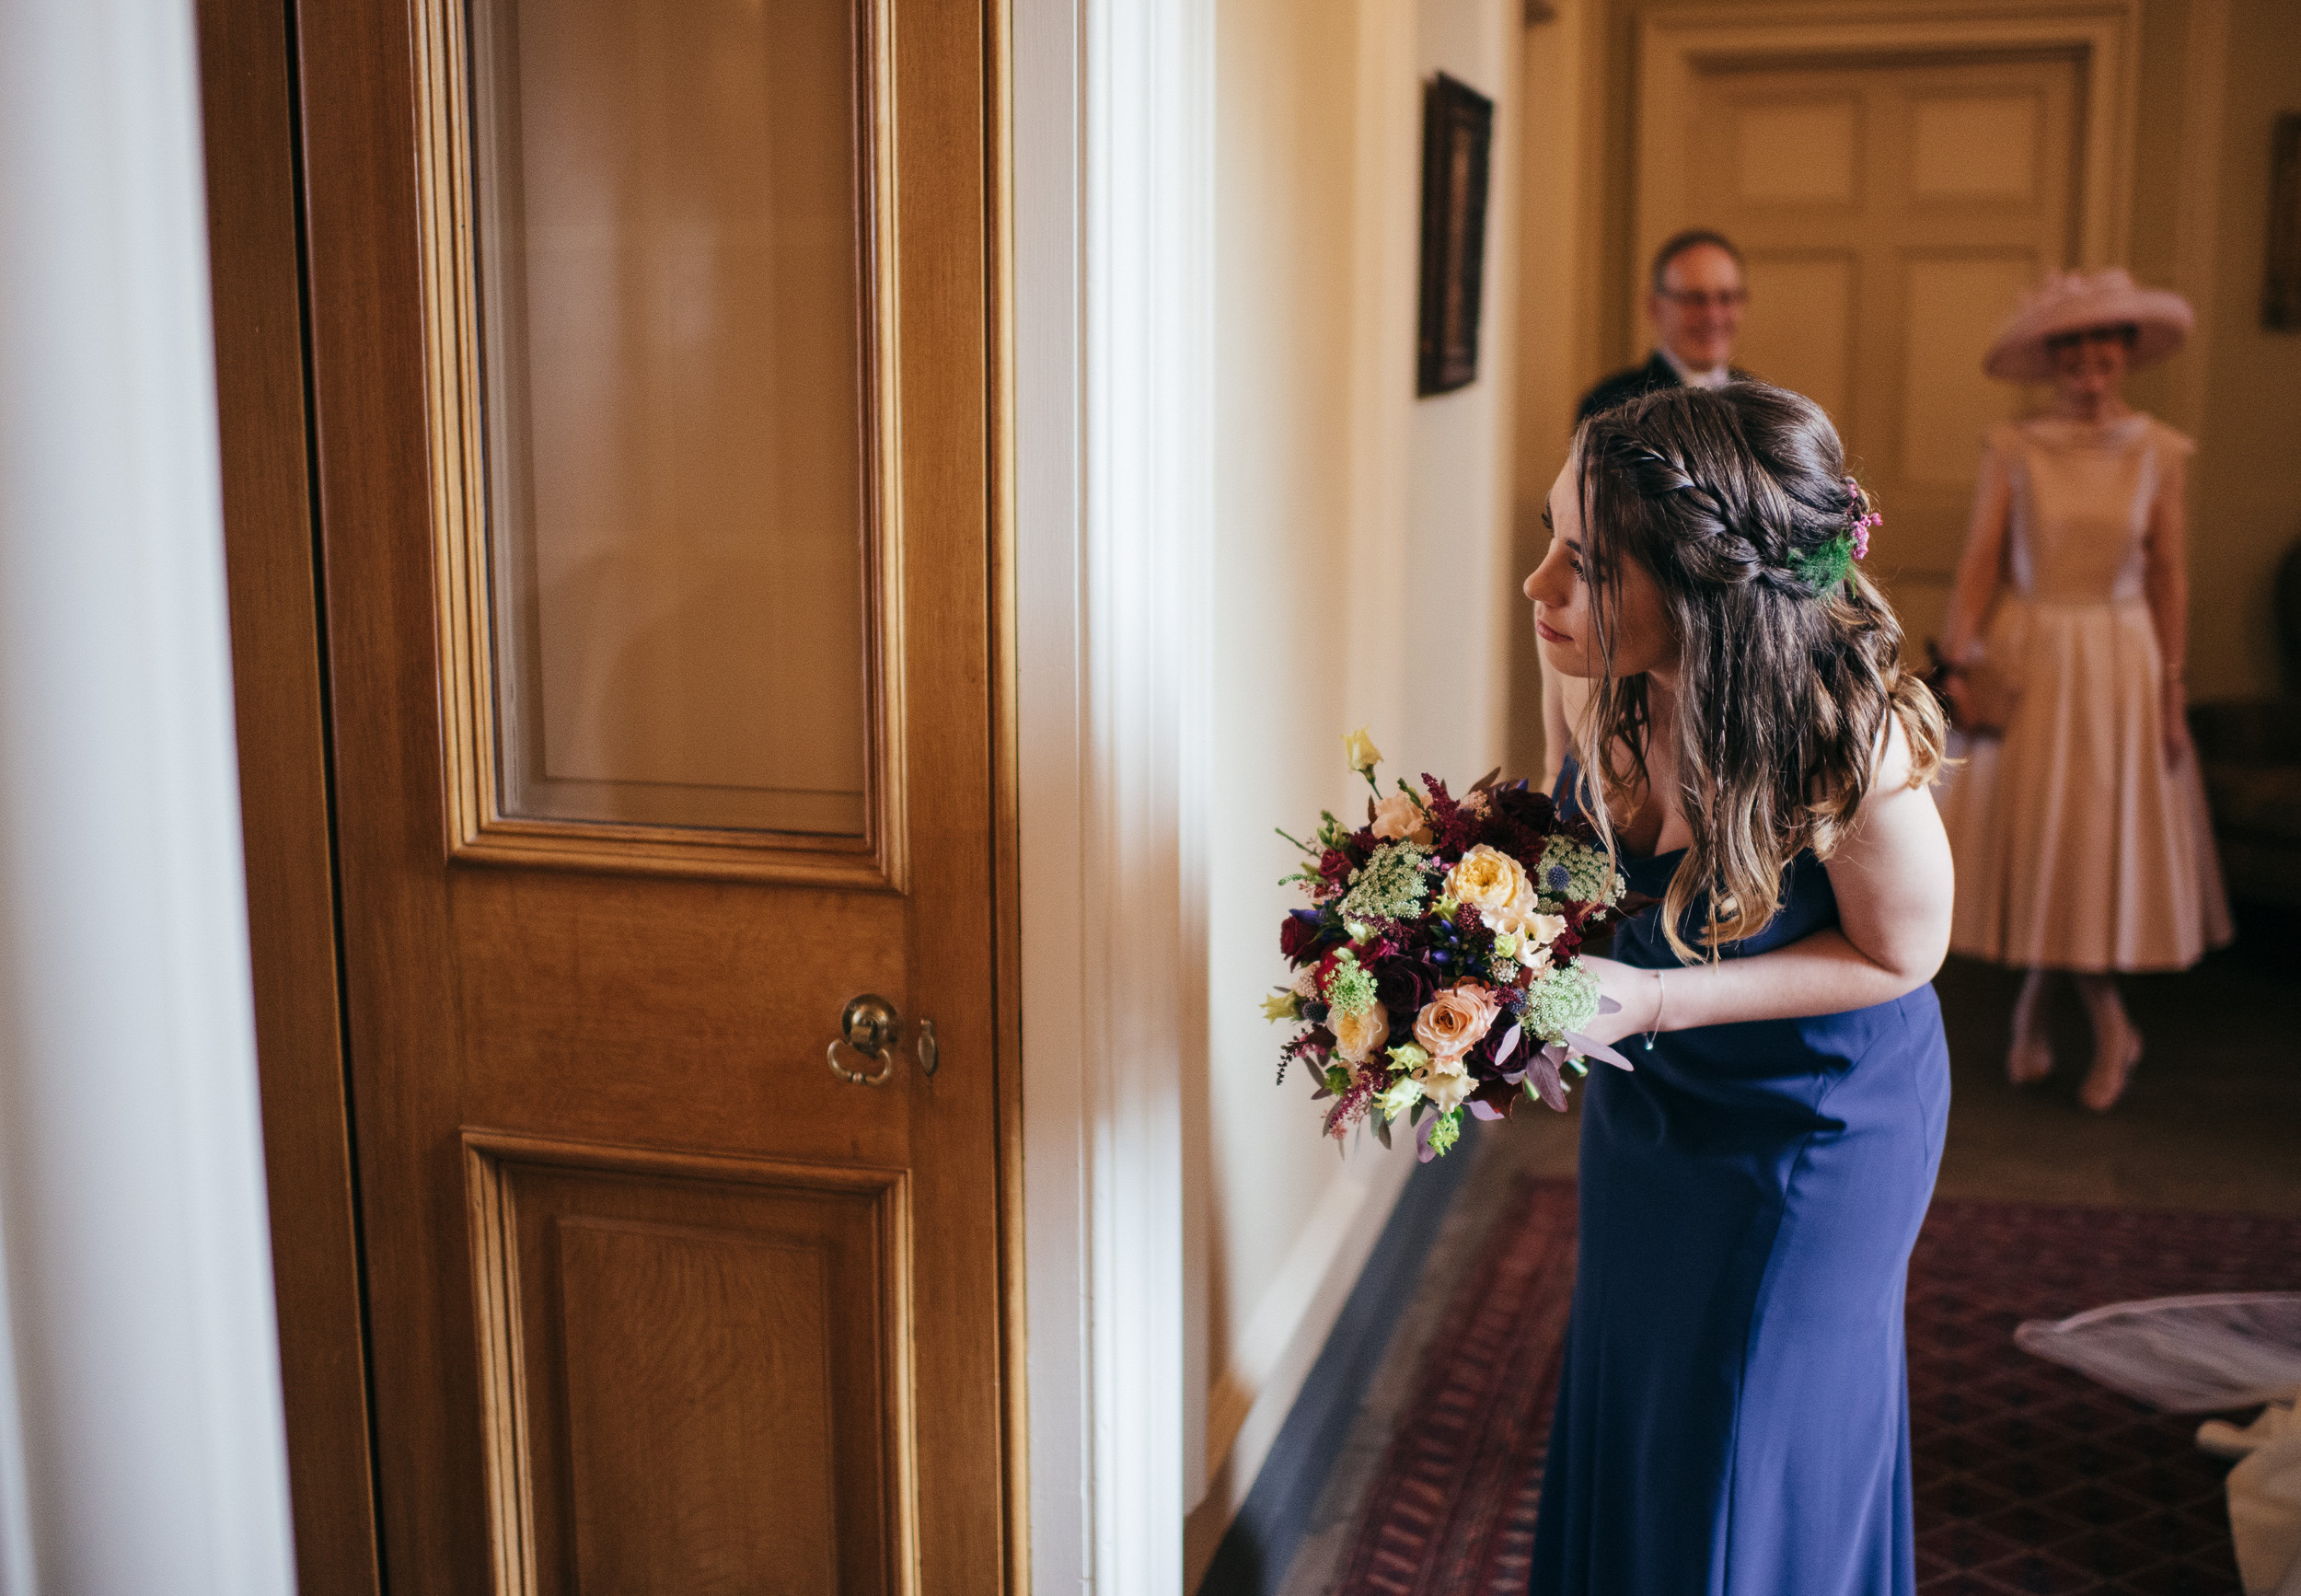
point(1780, 535)
point(1738, 548)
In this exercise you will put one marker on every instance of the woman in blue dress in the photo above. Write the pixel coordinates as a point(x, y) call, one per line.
point(1733, 1416)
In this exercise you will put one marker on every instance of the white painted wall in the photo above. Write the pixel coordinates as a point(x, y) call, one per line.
point(1459, 526)
point(1557, 302)
point(1361, 575)
point(140, 1447)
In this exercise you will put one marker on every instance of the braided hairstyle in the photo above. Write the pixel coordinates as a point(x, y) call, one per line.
point(1736, 499)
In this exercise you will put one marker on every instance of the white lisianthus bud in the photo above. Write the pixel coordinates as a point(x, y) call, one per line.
point(1445, 1082)
point(1403, 1095)
point(1523, 917)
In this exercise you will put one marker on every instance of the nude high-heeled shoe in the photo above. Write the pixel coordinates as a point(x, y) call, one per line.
point(2029, 1056)
point(2028, 1060)
point(2111, 1074)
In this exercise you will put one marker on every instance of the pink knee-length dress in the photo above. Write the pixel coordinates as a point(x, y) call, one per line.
point(2077, 846)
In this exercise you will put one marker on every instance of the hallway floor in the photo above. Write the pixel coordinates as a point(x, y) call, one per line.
point(2212, 1121)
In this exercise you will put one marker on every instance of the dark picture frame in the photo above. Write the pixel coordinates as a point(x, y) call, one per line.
point(2280, 286)
point(1457, 150)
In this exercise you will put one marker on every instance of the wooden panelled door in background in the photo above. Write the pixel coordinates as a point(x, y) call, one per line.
point(1892, 213)
point(653, 362)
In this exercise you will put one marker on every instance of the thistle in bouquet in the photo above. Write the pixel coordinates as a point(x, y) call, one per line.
point(1437, 970)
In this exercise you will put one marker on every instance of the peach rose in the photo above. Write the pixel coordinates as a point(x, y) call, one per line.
point(1399, 818)
point(1454, 1021)
point(1487, 880)
point(1357, 1036)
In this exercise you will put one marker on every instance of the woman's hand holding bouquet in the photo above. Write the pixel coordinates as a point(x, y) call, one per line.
point(1439, 967)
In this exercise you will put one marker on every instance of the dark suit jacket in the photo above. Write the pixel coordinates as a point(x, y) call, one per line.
point(1625, 386)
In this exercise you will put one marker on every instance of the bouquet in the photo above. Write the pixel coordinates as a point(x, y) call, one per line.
point(1439, 966)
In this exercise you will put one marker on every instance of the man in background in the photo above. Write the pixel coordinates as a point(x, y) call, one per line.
point(1695, 302)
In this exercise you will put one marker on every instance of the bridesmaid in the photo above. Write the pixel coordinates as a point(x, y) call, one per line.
point(2079, 824)
point(1733, 1414)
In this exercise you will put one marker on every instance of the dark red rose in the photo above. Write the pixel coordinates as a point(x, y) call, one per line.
point(1297, 932)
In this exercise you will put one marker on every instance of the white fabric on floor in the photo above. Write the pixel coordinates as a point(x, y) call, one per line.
point(2182, 1354)
point(2200, 1355)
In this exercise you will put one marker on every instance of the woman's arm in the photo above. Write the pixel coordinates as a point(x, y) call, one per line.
point(1893, 884)
point(1984, 561)
point(2166, 581)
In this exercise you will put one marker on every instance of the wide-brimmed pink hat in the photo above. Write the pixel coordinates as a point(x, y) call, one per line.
point(2076, 300)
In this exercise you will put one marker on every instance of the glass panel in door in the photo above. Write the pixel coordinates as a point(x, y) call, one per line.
point(675, 364)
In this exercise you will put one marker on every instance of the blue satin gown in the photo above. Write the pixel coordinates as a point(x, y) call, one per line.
point(1733, 1415)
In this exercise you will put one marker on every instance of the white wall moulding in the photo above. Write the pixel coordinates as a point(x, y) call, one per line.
point(1273, 1352)
point(1112, 193)
point(141, 1441)
point(2104, 35)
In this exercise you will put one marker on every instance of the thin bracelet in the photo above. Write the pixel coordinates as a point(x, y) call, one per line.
point(1661, 997)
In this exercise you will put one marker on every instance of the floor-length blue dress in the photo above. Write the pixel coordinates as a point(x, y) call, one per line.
point(1733, 1414)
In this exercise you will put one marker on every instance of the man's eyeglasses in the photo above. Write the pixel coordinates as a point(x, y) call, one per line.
point(1698, 299)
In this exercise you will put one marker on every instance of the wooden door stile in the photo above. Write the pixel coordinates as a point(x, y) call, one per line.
point(249, 128)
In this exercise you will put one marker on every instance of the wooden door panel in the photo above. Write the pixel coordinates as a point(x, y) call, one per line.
point(695, 1378)
point(1799, 326)
point(249, 118)
point(1986, 146)
point(623, 1009)
point(1789, 151)
point(516, 988)
point(1960, 298)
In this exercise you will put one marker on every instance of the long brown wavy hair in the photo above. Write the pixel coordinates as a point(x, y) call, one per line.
point(1732, 497)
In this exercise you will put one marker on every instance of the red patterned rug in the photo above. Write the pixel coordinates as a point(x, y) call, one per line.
point(2029, 1478)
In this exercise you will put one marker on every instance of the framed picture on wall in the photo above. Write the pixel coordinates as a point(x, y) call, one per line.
point(2280, 292)
point(1457, 142)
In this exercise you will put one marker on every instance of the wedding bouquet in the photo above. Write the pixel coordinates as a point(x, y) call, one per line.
point(1439, 967)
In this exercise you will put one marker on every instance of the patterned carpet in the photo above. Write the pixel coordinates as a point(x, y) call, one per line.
point(2029, 1478)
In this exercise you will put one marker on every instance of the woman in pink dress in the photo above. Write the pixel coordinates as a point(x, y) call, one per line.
point(2079, 824)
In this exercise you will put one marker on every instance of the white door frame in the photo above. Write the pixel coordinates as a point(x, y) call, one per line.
point(1112, 130)
point(141, 1439)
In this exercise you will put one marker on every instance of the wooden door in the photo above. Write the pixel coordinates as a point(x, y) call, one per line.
point(652, 370)
point(1893, 212)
